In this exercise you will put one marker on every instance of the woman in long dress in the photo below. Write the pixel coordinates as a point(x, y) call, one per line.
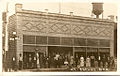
point(81, 61)
point(88, 62)
point(38, 63)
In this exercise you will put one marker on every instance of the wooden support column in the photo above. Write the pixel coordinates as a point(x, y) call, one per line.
point(46, 51)
point(112, 44)
point(98, 47)
point(47, 48)
point(86, 48)
point(112, 48)
point(73, 51)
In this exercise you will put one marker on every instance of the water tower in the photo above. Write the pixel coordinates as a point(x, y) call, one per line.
point(97, 9)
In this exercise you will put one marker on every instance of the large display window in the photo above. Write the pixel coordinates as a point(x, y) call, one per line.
point(41, 39)
point(79, 41)
point(53, 40)
point(28, 39)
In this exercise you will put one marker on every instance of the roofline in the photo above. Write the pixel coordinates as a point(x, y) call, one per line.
point(63, 15)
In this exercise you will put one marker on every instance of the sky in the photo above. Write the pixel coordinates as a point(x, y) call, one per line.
point(79, 8)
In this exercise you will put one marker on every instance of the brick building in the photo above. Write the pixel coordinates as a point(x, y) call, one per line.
point(51, 33)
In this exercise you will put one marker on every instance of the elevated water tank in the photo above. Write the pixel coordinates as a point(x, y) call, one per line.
point(97, 9)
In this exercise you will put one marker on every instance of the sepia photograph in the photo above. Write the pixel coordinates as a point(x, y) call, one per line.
point(59, 36)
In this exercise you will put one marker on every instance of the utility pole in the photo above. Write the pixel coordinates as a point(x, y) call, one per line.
point(6, 29)
point(59, 7)
point(6, 37)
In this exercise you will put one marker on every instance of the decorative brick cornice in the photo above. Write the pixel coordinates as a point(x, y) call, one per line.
point(63, 16)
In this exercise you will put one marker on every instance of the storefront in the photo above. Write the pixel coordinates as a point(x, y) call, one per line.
point(51, 33)
point(65, 46)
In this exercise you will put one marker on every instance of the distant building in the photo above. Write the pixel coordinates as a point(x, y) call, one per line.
point(52, 33)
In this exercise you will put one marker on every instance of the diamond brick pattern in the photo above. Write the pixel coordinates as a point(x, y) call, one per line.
point(35, 26)
point(64, 28)
point(59, 28)
point(79, 30)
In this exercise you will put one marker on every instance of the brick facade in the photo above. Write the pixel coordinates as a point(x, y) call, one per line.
point(36, 23)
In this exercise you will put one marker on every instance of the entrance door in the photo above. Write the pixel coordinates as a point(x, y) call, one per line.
point(64, 53)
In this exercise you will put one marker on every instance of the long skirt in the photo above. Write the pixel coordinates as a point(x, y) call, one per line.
point(88, 64)
point(81, 64)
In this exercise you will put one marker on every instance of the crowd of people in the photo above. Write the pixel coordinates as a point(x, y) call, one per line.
point(77, 63)
point(102, 62)
point(92, 63)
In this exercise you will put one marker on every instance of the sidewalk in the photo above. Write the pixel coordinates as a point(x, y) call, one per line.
point(64, 70)
point(44, 70)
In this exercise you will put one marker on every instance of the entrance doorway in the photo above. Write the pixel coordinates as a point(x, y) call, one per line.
point(64, 54)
